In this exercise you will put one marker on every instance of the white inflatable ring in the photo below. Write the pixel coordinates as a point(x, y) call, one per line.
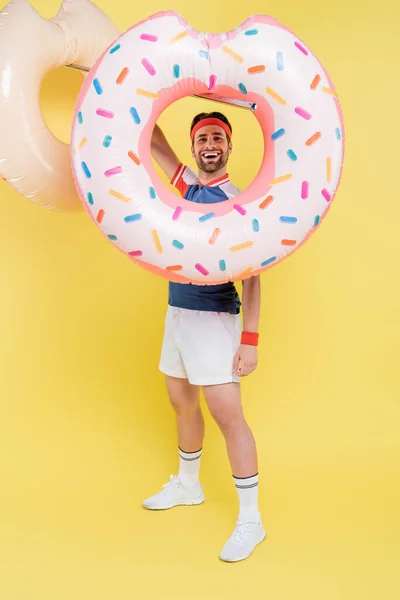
point(162, 59)
point(32, 159)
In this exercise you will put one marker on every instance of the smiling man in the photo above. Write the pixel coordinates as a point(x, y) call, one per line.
point(206, 347)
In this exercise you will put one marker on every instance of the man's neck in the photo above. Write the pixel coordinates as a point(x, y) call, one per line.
point(205, 178)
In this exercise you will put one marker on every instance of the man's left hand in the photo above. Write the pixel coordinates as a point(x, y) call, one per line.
point(245, 361)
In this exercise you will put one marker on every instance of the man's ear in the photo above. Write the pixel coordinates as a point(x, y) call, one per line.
point(230, 148)
point(192, 149)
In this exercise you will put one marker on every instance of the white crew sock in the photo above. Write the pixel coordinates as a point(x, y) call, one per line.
point(247, 489)
point(189, 467)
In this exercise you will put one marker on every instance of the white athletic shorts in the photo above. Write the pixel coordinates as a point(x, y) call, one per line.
point(200, 346)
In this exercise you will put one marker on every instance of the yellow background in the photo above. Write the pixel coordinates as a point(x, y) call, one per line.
point(86, 431)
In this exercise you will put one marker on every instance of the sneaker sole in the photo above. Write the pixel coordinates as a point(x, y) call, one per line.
point(246, 556)
point(183, 503)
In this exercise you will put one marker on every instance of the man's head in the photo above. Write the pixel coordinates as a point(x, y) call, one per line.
point(211, 141)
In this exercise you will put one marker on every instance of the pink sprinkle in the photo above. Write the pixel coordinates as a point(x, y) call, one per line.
point(202, 269)
point(301, 48)
point(105, 113)
point(113, 171)
point(148, 37)
point(304, 189)
point(240, 209)
point(213, 80)
point(148, 66)
point(303, 113)
point(326, 195)
point(177, 213)
point(136, 253)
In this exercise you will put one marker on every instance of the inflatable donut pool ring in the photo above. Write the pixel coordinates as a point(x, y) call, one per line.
point(32, 159)
point(162, 59)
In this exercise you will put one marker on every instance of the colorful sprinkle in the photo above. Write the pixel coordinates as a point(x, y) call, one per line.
point(204, 218)
point(222, 265)
point(292, 155)
point(105, 113)
point(100, 215)
point(268, 262)
point(115, 48)
point(133, 157)
point(279, 133)
point(80, 117)
point(329, 91)
point(178, 245)
point(213, 79)
point(119, 196)
point(177, 213)
point(133, 218)
point(81, 144)
point(316, 220)
point(176, 71)
point(256, 69)
point(245, 272)
point(315, 82)
point(280, 179)
point(251, 32)
point(214, 236)
point(112, 237)
point(326, 195)
point(241, 246)
point(97, 86)
point(113, 171)
point(157, 241)
point(311, 140)
point(152, 193)
point(148, 37)
point(134, 115)
point(240, 209)
point(305, 186)
point(288, 242)
point(135, 253)
point(174, 268)
point(279, 61)
point(86, 170)
point(178, 37)
point(90, 197)
point(232, 54)
point(256, 225)
point(266, 202)
point(201, 269)
point(303, 113)
point(122, 76)
point(301, 48)
point(203, 54)
point(107, 141)
point(328, 169)
point(146, 93)
point(148, 66)
point(338, 134)
point(288, 219)
point(275, 96)
point(242, 88)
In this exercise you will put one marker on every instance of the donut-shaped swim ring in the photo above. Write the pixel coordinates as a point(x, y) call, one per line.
point(32, 159)
point(162, 59)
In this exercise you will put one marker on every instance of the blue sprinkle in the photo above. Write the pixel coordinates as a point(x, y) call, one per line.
point(135, 115)
point(97, 86)
point(80, 118)
point(112, 237)
point(277, 134)
point(115, 48)
point(152, 192)
point(203, 54)
point(279, 61)
point(256, 225)
point(267, 262)
point(90, 198)
point(177, 71)
point(178, 245)
point(316, 221)
point(338, 135)
point(291, 155)
point(222, 265)
point(206, 217)
point(107, 141)
point(288, 219)
point(251, 32)
point(86, 170)
point(131, 218)
point(242, 88)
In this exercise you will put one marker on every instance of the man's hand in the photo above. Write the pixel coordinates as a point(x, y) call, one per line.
point(245, 361)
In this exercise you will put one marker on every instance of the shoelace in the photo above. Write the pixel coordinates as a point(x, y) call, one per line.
point(241, 532)
point(172, 481)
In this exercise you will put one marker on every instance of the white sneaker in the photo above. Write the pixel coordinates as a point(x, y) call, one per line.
point(247, 535)
point(174, 493)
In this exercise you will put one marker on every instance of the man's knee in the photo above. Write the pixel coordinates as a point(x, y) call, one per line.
point(184, 398)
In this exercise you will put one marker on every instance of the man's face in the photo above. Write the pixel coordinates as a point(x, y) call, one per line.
point(211, 149)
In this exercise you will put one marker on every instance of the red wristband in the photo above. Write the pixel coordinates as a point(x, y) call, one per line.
point(249, 338)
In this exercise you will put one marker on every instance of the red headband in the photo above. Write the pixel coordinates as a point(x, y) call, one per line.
point(211, 121)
